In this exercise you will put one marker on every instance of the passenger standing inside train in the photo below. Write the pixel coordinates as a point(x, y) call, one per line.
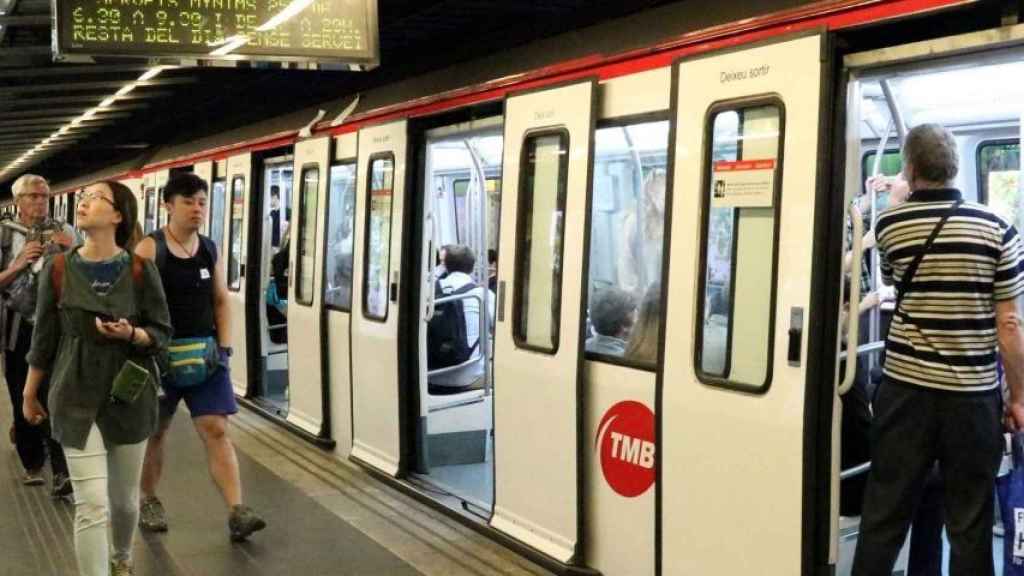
point(101, 316)
point(197, 298)
point(275, 216)
point(643, 339)
point(17, 259)
point(940, 399)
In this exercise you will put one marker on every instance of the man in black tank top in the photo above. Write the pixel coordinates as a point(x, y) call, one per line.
point(197, 298)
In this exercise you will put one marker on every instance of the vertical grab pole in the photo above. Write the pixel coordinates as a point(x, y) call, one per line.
point(480, 226)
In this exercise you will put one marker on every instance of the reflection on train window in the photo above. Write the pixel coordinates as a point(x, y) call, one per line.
point(738, 248)
point(151, 207)
point(380, 196)
point(541, 224)
point(235, 233)
point(999, 177)
point(308, 196)
point(217, 201)
point(626, 242)
point(341, 215)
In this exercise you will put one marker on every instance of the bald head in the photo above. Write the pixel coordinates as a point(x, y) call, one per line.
point(930, 158)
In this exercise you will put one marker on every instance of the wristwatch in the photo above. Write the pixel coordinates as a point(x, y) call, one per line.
point(228, 350)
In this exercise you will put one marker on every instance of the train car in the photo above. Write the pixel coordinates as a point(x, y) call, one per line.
point(658, 391)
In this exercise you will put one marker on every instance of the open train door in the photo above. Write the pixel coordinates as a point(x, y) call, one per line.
point(305, 306)
point(537, 411)
point(732, 397)
point(239, 180)
point(377, 266)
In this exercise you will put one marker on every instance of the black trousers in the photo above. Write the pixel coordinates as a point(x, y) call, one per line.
point(32, 442)
point(912, 429)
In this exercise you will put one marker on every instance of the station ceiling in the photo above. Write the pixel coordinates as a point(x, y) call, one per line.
point(38, 96)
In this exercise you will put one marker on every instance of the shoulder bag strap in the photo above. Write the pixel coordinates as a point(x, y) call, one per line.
point(908, 276)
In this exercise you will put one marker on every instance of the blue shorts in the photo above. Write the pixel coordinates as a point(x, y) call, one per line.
point(216, 396)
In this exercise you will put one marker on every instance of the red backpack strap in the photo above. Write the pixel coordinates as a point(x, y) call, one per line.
point(57, 275)
point(138, 267)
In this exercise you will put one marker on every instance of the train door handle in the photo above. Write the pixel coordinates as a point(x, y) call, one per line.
point(501, 301)
point(796, 330)
point(394, 292)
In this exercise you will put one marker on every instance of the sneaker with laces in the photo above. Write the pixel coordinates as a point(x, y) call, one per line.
point(243, 522)
point(33, 478)
point(61, 487)
point(121, 568)
point(152, 517)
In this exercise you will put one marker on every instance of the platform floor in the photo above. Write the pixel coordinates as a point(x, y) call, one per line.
point(325, 517)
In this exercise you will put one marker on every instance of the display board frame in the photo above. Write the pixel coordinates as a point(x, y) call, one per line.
point(65, 51)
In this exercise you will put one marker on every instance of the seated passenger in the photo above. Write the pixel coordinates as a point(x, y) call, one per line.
point(277, 295)
point(451, 345)
point(612, 313)
point(643, 340)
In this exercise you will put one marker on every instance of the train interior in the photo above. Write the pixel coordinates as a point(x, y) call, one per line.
point(986, 124)
point(275, 212)
point(462, 195)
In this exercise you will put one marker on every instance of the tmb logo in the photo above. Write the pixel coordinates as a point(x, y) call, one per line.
point(625, 443)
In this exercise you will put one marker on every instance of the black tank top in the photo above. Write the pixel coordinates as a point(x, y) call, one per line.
point(188, 283)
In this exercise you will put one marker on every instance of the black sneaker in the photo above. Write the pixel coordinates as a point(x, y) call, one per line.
point(243, 522)
point(61, 487)
point(152, 517)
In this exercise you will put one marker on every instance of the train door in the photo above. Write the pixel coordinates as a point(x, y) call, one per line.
point(275, 298)
point(732, 392)
point(218, 205)
point(204, 170)
point(376, 422)
point(152, 202)
point(537, 399)
point(159, 181)
point(461, 193)
point(305, 314)
point(337, 298)
point(239, 173)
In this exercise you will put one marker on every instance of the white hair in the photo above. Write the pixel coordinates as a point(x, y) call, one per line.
point(24, 184)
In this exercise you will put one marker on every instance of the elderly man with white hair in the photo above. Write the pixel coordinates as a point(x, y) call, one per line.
point(957, 266)
point(17, 256)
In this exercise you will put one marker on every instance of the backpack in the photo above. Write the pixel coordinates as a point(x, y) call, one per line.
point(447, 343)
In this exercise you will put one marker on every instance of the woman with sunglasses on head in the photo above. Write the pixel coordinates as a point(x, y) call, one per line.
point(101, 321)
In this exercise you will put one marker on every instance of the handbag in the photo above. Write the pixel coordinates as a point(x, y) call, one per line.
point(191, 361)
point(1010, 489)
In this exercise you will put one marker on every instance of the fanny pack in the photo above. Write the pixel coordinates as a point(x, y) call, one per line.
point(191, 361)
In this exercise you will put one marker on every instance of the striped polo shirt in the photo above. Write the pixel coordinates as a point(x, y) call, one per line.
point(947, 337)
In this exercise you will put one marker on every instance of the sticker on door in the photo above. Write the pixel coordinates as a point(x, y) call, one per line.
point(625, 443)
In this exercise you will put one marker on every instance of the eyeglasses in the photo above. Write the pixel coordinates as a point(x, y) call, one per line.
point(88, 196)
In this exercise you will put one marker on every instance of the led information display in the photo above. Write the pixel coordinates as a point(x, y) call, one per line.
point(318, 30)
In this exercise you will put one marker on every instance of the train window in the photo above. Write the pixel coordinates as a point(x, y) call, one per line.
point(235, 233)
point(379, 200)
point(308, 198)
point(738, 248)
point(626, 243)
point(998, 178)
point(217, 201)
point(891, 164)
point(540, 226)
point(151, 201)
point(341, 215)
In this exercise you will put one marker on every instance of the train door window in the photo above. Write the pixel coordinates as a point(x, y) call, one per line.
point(217, 201)
point(308, 200)
point(538, 281)
point(626, 243)
point(235, 233)
point(738, 248)
point(151, 206)
point(379, 197)
point(999, 177)
point(340, 225)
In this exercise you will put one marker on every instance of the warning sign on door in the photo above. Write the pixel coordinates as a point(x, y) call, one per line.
point(743, 184)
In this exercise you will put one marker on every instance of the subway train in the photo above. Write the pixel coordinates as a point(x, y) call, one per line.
point(659, 388)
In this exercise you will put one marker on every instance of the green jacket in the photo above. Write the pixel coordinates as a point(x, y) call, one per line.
point(82, 363)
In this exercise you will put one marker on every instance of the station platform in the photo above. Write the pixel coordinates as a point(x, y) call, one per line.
point(325, 517)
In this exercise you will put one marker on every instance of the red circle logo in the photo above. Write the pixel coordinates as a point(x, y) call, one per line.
point(625, 441)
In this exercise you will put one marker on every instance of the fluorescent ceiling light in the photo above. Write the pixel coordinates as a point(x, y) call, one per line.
point(285, 15)
point(126, 89)
point(108, 102)
point(231, 45)
point(151, 73)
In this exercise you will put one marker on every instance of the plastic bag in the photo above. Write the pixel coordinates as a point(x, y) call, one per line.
point(1010, 488)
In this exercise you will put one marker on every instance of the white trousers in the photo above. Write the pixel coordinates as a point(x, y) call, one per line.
point(106, 486)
